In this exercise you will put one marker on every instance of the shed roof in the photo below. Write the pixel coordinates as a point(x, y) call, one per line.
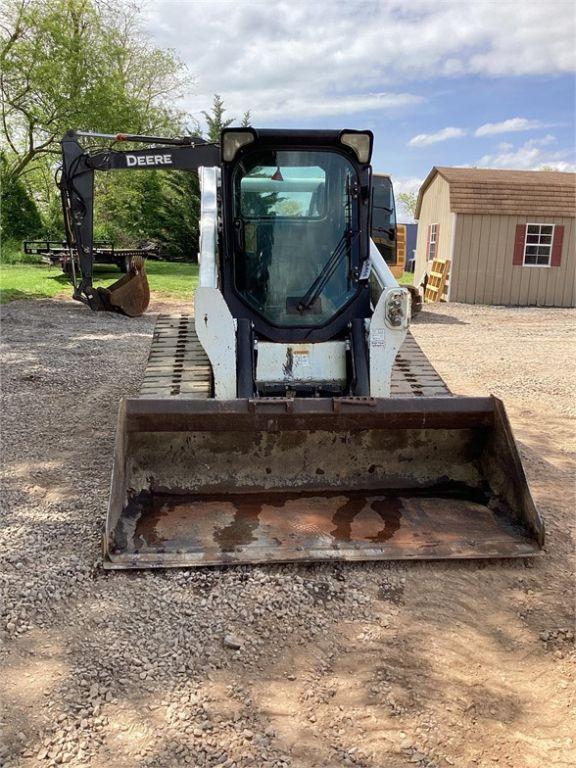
point(516, 193)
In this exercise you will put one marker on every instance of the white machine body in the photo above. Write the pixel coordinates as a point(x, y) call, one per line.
point(280, 363)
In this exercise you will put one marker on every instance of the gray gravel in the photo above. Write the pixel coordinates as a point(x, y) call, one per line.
point(319, 665)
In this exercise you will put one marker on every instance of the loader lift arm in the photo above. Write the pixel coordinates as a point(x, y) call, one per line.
point(77, 188)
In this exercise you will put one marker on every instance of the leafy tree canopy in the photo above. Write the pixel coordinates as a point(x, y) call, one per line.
point(86, 64)
point(79, 64)
point(409, 200)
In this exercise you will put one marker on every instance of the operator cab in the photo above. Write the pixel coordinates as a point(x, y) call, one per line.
point(296, 208)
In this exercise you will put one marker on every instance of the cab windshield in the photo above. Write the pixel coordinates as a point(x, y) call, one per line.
point(295, 223)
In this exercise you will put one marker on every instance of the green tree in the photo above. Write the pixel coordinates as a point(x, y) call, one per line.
point(215, 118)
point(409, 200)
point(151, 214)
point(156, 206)
point(20, 217)
point(180, 239)
point(79, 64)
point(117, 204)
point(52, 220)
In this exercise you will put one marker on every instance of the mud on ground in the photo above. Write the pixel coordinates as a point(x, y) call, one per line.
point(467, 664)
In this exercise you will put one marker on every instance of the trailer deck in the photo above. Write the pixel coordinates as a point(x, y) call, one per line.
point(54, 252)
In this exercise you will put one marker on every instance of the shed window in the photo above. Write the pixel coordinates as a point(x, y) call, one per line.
point(432, 241)
point(538, 245)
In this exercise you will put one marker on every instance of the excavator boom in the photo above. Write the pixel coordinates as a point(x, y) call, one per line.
point(131, 294)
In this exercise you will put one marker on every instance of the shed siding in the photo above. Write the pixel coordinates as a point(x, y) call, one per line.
point(456, 275)
point(483, 270)
point(435, 209)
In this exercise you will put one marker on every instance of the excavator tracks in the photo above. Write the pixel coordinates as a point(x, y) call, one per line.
point(179, 368)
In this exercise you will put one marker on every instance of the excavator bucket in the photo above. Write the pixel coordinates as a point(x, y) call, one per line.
point(206, 482)
point(131, 294)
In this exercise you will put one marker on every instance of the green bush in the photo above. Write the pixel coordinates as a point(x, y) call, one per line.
point(11, 253)
point(20, 217)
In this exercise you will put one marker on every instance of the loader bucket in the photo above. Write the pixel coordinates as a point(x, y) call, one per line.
point(209, 482)
point(131, 294)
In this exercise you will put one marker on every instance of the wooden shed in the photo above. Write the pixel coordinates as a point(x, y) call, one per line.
point(509, 235)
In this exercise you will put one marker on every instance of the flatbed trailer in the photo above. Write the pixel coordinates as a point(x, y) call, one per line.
point(57, 252)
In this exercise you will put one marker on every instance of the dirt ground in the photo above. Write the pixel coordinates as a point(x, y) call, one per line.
point(382, 665)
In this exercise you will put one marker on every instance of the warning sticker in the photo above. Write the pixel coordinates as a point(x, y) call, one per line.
point(378, 337)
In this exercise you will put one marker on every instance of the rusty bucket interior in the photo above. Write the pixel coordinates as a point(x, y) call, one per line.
point(129, 295)
point(207, 482)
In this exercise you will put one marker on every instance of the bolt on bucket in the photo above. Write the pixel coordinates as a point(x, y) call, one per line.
point(208, 482)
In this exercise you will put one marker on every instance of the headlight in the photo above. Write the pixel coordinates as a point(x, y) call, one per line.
point(396, 308)
point(360, 142)
point(232, 141)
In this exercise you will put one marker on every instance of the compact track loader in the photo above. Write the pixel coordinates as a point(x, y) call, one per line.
point(291, 415)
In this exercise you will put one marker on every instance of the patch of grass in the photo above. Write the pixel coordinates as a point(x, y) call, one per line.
point(30, 281)
point(172, 278)
point(407, 278)
point(39, 281)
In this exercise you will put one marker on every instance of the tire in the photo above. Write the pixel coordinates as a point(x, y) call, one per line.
point(416, 299)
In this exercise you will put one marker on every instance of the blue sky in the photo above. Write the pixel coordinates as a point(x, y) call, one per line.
point(440, 82)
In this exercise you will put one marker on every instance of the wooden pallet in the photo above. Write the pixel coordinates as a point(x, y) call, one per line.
point(437, 280)
point(178, 367)
point(400, 266)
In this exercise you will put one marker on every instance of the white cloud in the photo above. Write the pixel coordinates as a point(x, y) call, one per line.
point(425, 139)
point(512, 125)
point(530, 157)
point(284, 104)
point(286, 60)
point(560, 165)
point(543, 142)
point(347, 105)
point(406, 184)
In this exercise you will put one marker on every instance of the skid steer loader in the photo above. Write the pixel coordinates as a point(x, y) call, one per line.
point(293, 417)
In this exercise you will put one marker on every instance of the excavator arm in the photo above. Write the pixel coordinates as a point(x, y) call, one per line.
point(129, 295)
